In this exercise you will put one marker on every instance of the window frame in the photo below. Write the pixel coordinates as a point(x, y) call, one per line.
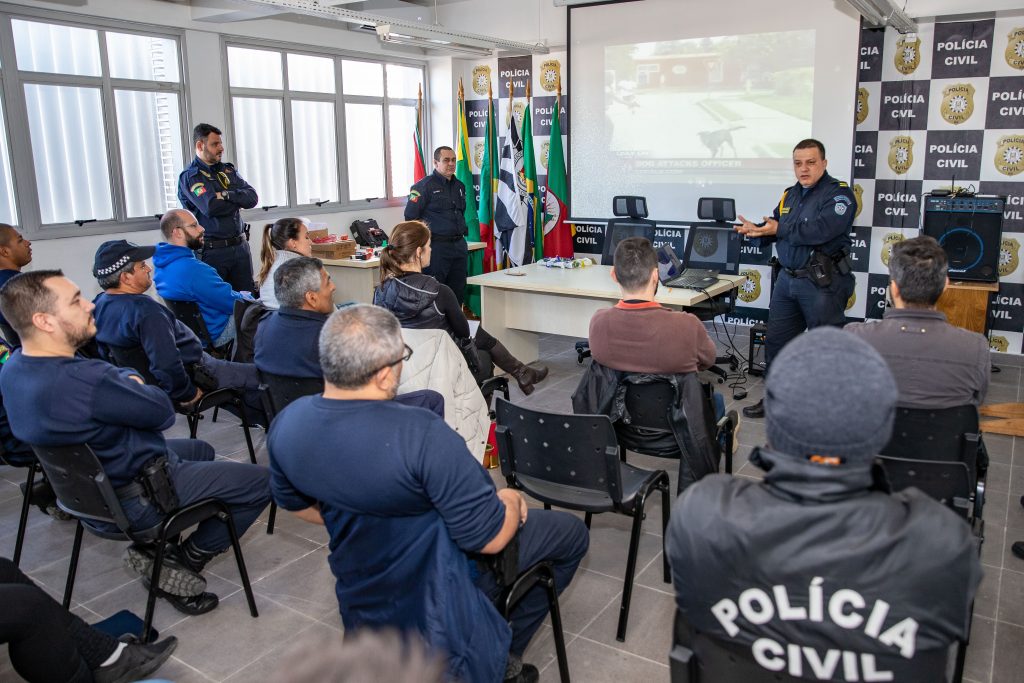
point(339, 99)
point(12, 92)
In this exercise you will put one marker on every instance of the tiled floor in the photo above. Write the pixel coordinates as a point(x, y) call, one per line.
point(295, 596)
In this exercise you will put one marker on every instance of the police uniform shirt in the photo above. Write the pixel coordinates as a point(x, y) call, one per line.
point(819, 216)
point(288, 343)
point(440, 203)
point(198, 186)
point(67, 401)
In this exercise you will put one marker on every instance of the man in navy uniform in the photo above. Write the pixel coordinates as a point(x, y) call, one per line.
point(439, 200)
point(811, 231)
point(214, 192)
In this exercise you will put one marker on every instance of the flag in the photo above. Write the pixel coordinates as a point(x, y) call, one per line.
point(510, 215)
point(558, 235)
point(535, 229)
point(419, 166)
point(464, 172)
point(488, 186)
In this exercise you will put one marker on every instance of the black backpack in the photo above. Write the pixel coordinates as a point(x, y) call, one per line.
point(367, 233)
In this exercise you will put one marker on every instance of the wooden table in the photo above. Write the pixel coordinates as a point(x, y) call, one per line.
point(355, 280)
point(517, 309)
point(966, 304)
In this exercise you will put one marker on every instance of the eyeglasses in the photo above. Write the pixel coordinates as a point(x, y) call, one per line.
point(405, 358)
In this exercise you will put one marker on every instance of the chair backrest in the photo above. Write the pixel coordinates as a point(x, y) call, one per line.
point(698, 657)
point(283, 389)
point(949, 435)
point(8, 334)
point(188, 312)
point(82, 487)
point(547, 454)
point(248, 316)
point(132, 357)
point(619, 229)
point(947, 482)
point(649, 430)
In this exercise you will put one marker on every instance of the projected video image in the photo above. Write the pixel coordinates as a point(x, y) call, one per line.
point(723, 102)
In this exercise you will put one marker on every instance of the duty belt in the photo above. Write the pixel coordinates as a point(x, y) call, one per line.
point(132, 490)
point(801, 272)
point(221, 244)
point(447, 238)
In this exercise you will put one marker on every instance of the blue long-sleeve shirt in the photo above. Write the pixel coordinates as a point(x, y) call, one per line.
point(180, 276)
point(198, 186)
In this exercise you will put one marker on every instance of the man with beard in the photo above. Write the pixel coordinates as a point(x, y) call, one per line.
point(180, 276)
point(63, 400)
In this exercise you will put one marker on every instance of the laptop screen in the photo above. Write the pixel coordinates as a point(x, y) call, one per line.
point(668, 263)
point(713, 249)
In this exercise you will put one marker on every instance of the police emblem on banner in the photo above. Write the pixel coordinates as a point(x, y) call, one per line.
point(1015, 48)
point(706, 243)
point(750, 290)
point(851, 301)
point(1010, 154)
point(519, 109)
point(901, 154)
point(550, 75)
point(478, 154)
point(1009, 256)
point(481, 79)
point(862, 105)
point(957, 103)
point(544, 149)
point(908, 55)
point(999, 343)
point(858, 192)
point(890, 239)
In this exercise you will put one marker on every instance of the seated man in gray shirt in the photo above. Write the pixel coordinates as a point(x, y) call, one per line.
point(935, 364)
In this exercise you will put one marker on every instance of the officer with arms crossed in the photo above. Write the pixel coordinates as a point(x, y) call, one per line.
point(439, 200)
point(214, 192)
point(811, 230)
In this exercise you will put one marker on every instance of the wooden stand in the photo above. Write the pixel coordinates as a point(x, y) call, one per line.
point(966, 304)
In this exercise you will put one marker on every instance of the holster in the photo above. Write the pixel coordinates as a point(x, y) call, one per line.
point(157, 486)
point(202, 378)
point(820, 268)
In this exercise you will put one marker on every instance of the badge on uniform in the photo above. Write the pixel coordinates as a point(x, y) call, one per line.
point(842, 203)
point(414, 196)
point(198, 189)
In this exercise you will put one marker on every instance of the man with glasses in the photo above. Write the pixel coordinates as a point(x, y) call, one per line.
point(213, 191)
point(180, 276)
point(288, 341)
point(411, 514)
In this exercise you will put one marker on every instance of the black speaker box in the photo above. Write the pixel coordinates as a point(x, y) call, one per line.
point(969, 230)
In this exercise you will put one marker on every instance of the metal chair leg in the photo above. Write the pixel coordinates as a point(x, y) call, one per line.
point(19, 540)
point(665, 511)
point(627, 585)
point(245, 429)
point(193, 424)
point(556, 626)
point(587, 518)
point(240, 561)
point(216, 412)
point(272, 518)
point(154, 583)
point(73, 565)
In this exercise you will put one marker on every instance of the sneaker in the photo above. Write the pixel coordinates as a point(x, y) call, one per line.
point(175, 577)
point(191, 605)
point(754, 411)
point(136, 662)
point(528, 673)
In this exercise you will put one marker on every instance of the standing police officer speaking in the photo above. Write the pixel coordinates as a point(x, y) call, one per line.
point(214, 192)
point(439, 200)
point(811, 230)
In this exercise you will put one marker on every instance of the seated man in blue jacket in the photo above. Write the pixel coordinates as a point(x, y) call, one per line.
point(127, 317)
point(54, 398)
point(180, 276)
point(408, 508)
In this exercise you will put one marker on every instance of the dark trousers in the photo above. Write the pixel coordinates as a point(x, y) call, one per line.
point(233, 264)
point(550, 535)
point(45, 641)
point(244, 487)
point(798, 304)
point(423, 398)
point(448, 265)
point(242, 376)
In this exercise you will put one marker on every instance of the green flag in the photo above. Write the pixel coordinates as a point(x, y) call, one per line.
point(535, 227)
point(488, 186)
point(464, 172)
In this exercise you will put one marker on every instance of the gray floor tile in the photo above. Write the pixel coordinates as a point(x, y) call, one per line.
point(1011, 597)
point(586, 597)
point(1008, 665)
point(649, 636)
point(267, 667)
point(978, 665)
point(987, 597)
point(593, 662)
point(305, 585)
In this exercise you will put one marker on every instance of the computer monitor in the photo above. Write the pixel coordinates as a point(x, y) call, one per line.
point(713, 248)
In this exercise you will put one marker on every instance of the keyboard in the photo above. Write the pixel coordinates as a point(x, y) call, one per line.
point(694, 279)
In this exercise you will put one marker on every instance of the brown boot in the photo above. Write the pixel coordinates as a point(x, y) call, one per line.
point(524, 375)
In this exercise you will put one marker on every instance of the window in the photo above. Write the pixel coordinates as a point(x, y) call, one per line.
point(310, 128)
point(102, 108)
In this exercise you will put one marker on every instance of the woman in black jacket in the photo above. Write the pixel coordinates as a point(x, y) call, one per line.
point(421, 302)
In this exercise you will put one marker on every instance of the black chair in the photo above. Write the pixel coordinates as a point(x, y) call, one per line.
point(188, 312)
point(136, 359)
point(649, 430)
point(572, 461)
point(698, 657)
point(8, 335)
point(32, 465)
point(949, 435)
point(84, 492)
point(630, 221)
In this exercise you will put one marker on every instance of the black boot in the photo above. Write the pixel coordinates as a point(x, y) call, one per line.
point(524, 375)
point(756, 410)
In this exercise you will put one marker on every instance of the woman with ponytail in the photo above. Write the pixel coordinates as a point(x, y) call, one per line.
point(421, 302)
point(282, 241)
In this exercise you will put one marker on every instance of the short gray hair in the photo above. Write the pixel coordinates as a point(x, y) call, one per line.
point(357, 342)
point(294, 278)
point(112, 280)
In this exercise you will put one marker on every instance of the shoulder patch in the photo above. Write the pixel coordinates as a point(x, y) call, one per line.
point(842, 184)
point(842, 198)
point(198, 189)
point(414, 196)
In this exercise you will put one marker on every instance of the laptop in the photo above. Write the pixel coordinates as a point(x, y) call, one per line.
point(708, 253)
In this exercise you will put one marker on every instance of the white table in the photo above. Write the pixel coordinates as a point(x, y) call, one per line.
point(355, 280)
point(517, 309)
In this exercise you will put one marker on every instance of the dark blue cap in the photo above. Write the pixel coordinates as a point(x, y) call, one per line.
point(115, 254)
